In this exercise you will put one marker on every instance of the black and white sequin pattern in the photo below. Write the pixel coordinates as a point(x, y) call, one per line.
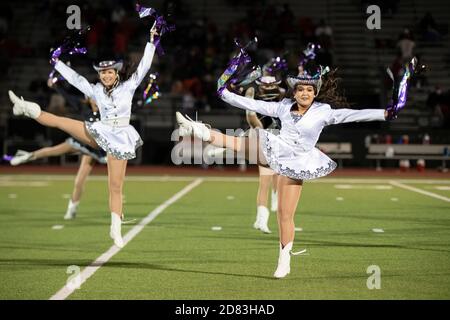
point(294, 173)
point(296, 117)
point(98, 154)
point(307, 174)
point(105, 145)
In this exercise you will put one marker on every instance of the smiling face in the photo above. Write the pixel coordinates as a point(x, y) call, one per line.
point(108, 77)
point(304, 95)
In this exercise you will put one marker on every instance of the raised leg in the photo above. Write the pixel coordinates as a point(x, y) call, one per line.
point(73, 127)
point(52, 151)
point(248, 146)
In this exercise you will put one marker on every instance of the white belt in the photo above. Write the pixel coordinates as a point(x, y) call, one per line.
point(117, 122)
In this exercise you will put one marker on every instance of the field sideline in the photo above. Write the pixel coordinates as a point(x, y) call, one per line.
point(346, 224)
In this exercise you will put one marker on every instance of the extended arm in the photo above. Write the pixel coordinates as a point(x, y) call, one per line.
point(143, 67)
point(266, 108)
point(349, 115)
point(74, 78)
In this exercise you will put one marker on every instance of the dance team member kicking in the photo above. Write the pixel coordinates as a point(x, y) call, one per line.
point(292, 154)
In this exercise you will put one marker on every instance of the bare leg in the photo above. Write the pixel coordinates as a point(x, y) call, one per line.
point(116, 176)
point(84, 170)
point(86, 165)
point(219, 139)
point(262, 198)
point(53, 151)
point(73, 127)
point(247, 145)
point(289, 192)
point(275, 182)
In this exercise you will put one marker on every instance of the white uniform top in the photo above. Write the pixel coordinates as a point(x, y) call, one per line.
point(113, 133)
point(292, 152)
point(118, 104)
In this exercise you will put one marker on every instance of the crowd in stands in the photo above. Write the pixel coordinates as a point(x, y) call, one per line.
point(198, 51)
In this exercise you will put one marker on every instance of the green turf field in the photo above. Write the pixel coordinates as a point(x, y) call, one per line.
point(179, 256)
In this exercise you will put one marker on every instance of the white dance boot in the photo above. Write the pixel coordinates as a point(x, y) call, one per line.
point(71, 210)
point(20, 157)
point(23, 107)
point(274, 201)
point(284, 261)
point(262, 219)
point(189, 127)
point(116, 226)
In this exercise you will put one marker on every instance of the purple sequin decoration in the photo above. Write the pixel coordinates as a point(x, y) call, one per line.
point(152, 87)
point(78, 51)
point(7, 157)
point(53, 78)
point(277, 64)
point(145, 12)
point(70, 45)
point(161, 25)
point(231, 73)
point(400, 96)
point(309, 53)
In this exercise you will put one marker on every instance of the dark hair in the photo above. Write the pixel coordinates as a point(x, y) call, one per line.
point(330, 92)
point(127, 70)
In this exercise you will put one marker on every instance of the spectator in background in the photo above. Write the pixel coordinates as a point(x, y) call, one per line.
point(286, 19)
point(406, 45)
point(429, 28)
point(324, 34)
point(118, 15)
point(439, 103)
point(307, 29)
point(94, 35)
point(40, 91)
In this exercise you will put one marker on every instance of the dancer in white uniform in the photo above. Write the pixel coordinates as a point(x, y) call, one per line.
point(89, 156)
point(268, 90)
point(291, 154)
point(113, 133)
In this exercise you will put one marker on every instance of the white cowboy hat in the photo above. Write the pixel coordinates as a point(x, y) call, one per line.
point(267, 81)
point(108, 64)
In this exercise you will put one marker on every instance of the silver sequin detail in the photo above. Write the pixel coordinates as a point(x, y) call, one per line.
point(104, 144)
point(296, 117)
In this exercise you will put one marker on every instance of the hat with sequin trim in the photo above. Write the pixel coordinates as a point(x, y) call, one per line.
point(108, 64)
point(306, 79)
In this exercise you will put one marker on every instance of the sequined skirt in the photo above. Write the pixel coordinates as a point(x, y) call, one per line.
point(287, 161)
point(98, 154)
point(120, 142)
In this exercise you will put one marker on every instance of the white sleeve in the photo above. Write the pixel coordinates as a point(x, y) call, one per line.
point(74, 78)
point(143, 67)
point(337, 116)
point(263, 107)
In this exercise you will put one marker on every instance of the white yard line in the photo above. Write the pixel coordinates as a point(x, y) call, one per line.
point(427, 193)
point(87, 272)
